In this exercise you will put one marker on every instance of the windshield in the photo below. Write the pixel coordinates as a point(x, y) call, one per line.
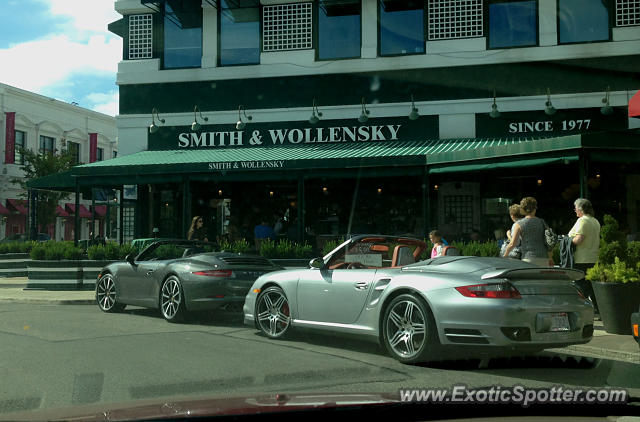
point(382, 155)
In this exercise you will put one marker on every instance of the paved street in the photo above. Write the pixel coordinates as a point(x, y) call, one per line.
point(57, 356)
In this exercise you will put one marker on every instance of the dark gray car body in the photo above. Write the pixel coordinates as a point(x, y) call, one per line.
point(138, 281)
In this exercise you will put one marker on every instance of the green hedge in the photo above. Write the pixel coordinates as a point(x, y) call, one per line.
point(17, 247)
point(54, 251)
point(109, 252)
point(285, 249)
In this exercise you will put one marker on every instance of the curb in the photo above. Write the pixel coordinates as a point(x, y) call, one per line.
point(49, 301)
point(597, 352)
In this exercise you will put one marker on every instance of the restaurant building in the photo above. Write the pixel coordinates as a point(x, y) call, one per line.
point(48, 126)
point(393, 116)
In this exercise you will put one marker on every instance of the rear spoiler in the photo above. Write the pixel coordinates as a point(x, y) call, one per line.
point(536, 273)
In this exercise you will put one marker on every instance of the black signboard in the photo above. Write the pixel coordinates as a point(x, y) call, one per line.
point(302, 134)
point(538, 123)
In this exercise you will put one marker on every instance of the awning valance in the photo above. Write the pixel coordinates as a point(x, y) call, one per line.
point(4, 210)
point(84, 212)
point(61, 212)
point(100, 210)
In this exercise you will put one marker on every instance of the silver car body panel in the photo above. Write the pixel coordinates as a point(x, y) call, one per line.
point(353, 300)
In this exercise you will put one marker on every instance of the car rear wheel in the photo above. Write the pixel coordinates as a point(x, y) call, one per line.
point(172, 300)
point(409, 331)
point(273, 313)
point(106, 294)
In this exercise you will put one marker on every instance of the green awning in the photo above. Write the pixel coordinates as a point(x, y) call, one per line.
point(502, 165)
point(62, 181)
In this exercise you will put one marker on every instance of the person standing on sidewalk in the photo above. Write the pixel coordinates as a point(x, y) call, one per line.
point(529, 231)
point(585, 235)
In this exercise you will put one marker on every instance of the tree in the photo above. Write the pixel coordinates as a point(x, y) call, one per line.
point(40, 165)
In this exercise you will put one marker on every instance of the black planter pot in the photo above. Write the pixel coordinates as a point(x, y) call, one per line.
point(616, 302)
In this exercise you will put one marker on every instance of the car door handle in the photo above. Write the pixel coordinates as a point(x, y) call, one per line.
point(150, 272)
point(361, 285)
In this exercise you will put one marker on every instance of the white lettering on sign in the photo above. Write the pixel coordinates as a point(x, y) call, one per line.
point(247, 165)
point(318, 135)
point(547, 126)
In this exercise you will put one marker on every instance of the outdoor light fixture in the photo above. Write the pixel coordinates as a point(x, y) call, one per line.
point(220, 192)
point(413, 115)
point(494, 113)
point(315, 113)
point(379, 191)
point(153, 128)
point(270, 194)
point(549, 109)
point(240, 124)
point(364, 116)
point(195, 125)
point(539, 182)
point(606, 109)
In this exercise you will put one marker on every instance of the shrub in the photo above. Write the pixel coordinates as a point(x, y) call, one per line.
point(618, 272)
point(97, 252)
point(633, 254)
point(38, 252)
point(330, 245)
point(303, 251)
point(72, 252)
point(124, 250)
point(268, 248)
point(609, 251)
point(241, 246)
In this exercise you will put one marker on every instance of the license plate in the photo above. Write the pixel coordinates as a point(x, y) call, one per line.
point(560, 322)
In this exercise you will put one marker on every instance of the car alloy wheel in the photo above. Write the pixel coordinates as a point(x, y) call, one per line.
point(408, 329)
point(106, 294)
point(172, 300)
point(274, 315)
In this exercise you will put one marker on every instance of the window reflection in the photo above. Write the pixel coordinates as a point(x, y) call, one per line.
point(182, 35)
point(338, 29)
point(239, 34)
point(513, 24)
point(582, 20)
point(401, 27)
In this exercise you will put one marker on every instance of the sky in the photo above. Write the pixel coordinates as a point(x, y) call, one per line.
point(62, 49)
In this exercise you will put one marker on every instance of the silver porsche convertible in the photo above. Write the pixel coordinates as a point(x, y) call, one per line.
point(421, 310)
point(178, 276)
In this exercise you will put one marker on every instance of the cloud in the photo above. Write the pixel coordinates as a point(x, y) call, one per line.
point(51, 64)
point(105, 103)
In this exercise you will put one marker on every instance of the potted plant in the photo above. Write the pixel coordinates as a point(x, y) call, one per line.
point(617, 290)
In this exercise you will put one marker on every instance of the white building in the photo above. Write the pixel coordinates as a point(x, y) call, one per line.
point(43, 124)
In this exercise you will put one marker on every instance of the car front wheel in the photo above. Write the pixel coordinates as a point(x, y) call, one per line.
point(273, 313)
point(172, 304)
point(106, 294)
point(409, 330)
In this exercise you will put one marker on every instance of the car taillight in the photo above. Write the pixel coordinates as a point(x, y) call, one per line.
point(490, 291)
point(214, 273)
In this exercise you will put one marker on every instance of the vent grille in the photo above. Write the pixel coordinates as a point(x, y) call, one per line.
point(246, 260)
point(450, 19)
point(627, 12)
point(287, 27)
point(140, 36)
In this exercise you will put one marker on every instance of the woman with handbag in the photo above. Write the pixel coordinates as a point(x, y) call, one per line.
point(529, 231)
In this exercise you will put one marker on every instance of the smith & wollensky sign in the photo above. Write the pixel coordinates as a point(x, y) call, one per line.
point(299, 134)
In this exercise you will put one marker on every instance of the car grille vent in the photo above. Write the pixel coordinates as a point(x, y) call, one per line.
point(244, 260)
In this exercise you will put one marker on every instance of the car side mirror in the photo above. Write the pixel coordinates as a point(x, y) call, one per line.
point(317, 263)
point(130, 260)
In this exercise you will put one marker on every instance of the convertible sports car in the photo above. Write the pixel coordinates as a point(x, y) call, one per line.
point(418, 311)
point(178, 276)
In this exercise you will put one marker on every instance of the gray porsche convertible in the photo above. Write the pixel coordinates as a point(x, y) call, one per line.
point(422, 310)
point(178, 276)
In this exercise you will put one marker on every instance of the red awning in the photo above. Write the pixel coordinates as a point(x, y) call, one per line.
point(101, 210)
point(18, 205)
point(634, 105)
point(84, 212)
point(4, 210)
point(60, 212)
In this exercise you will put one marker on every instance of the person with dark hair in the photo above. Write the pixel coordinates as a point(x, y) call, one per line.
point(197, 230)
point(585, 236)
point(529, 231)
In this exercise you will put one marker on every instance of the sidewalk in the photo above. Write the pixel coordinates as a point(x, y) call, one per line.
point(603, 345)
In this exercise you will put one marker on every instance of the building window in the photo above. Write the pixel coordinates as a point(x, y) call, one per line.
point(19, 146)
point(627, 12)
point(401, 27)
point(100, 154)
point(582, 21)
point(74, 151)
point(458, 210)
point(450, 19)
point(182, 35)
point(140, 36)
point(47, 144)
point(513, 23)
point(239, 34)
point(287, 27)
point(339, 29)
